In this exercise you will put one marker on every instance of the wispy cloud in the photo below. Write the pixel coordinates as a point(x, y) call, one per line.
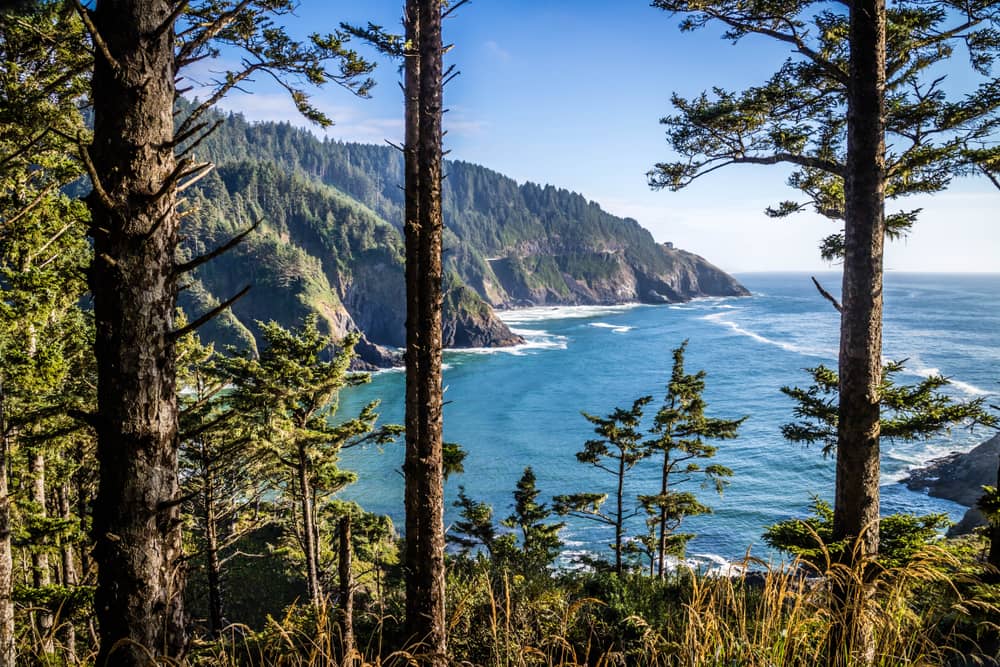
point(497, 51)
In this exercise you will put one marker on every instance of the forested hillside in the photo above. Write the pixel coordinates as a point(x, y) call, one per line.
point(329, 242)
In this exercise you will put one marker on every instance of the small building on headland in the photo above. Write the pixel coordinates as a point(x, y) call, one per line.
point(669, 245)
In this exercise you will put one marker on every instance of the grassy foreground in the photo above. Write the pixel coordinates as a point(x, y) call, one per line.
point(936, 610)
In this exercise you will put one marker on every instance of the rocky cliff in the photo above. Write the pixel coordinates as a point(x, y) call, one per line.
point(329, 242)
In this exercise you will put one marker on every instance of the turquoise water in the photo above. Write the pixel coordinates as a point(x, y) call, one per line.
point(520, 407)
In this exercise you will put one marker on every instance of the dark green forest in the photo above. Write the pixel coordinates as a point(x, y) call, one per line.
point(330, 242)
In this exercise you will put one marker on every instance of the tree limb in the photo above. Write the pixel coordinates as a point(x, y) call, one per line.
point(826, 295)
point(178, 333)
point(228, 245)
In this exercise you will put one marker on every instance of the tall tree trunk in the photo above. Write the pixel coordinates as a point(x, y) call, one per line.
point(69, 575)
point(309, 531)
point(213, 568)
point(994, 555)
point(8, 652)
point(346, 581)
point(136, 522)
point(41, 576)
point(661, 547)
point(856, 510)
point(425, 593)
point(619, 514)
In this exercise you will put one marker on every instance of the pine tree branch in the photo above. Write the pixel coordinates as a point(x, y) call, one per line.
point(990, 175)
point(178, 333)
point(448, 12)
point(27, 209)
point(792, 38)
point(829, 297)
point(213, 29)
point(99, 42)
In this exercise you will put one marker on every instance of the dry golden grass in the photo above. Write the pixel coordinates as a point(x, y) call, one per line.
point(782, 615)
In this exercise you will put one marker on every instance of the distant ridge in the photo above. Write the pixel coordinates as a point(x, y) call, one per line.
point(329, 243)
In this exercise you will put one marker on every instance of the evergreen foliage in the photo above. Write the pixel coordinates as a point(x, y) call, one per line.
point(678, 435)
point(909, 412)
point(616, 452)
point(901, 537)
point(292, 393)
point(798, 115)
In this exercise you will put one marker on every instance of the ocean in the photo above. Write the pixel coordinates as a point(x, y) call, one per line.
point(515, 407)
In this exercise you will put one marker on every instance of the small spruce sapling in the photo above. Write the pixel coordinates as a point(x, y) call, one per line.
point(540, 543)
point(678, 436)
point(616, 452)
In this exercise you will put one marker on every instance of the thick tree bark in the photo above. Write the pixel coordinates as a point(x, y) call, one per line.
point(346, 581)
point(309, 531)
point(425, 593)
point(136, 523)
point(8, 652)
point(40, 573)
point(411, 234)
point(856, 511)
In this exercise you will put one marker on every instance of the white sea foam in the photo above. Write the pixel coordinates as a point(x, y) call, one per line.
point(541, 313)
point(534, 339)
point(614, 327)
point(399, 369)
point(965, 387)
point(717, 318)
point(391, 369)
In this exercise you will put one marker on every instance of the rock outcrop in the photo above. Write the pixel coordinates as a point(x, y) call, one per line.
point(960, 477)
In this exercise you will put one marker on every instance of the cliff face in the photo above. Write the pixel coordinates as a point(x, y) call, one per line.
point(314, 251)
point(329, 243)
point(960, 477)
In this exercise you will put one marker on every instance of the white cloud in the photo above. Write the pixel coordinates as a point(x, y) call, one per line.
point(497, 51)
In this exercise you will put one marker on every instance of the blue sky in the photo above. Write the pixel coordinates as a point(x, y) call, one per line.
point(570, 93)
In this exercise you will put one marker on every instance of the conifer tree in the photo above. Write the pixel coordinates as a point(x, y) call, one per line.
point(475, 528)
point(907, 413)
point(294, 393)
point(224, 471)
point(859, 72)
point(139, 162)
point(616, 452)
point(540, 543)
point(678, 435)
point(423, 229)
point(42, 253)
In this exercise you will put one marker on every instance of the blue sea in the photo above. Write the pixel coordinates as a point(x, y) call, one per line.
point(515, 407)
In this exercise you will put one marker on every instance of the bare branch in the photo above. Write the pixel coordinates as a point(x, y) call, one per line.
point(197, 142)
point(448, 12)
point(178, 333)
point(205, 169)
point(228, 245)
point(826, 295)
point(99, 42)
point(210, 32)
point(27, 209)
